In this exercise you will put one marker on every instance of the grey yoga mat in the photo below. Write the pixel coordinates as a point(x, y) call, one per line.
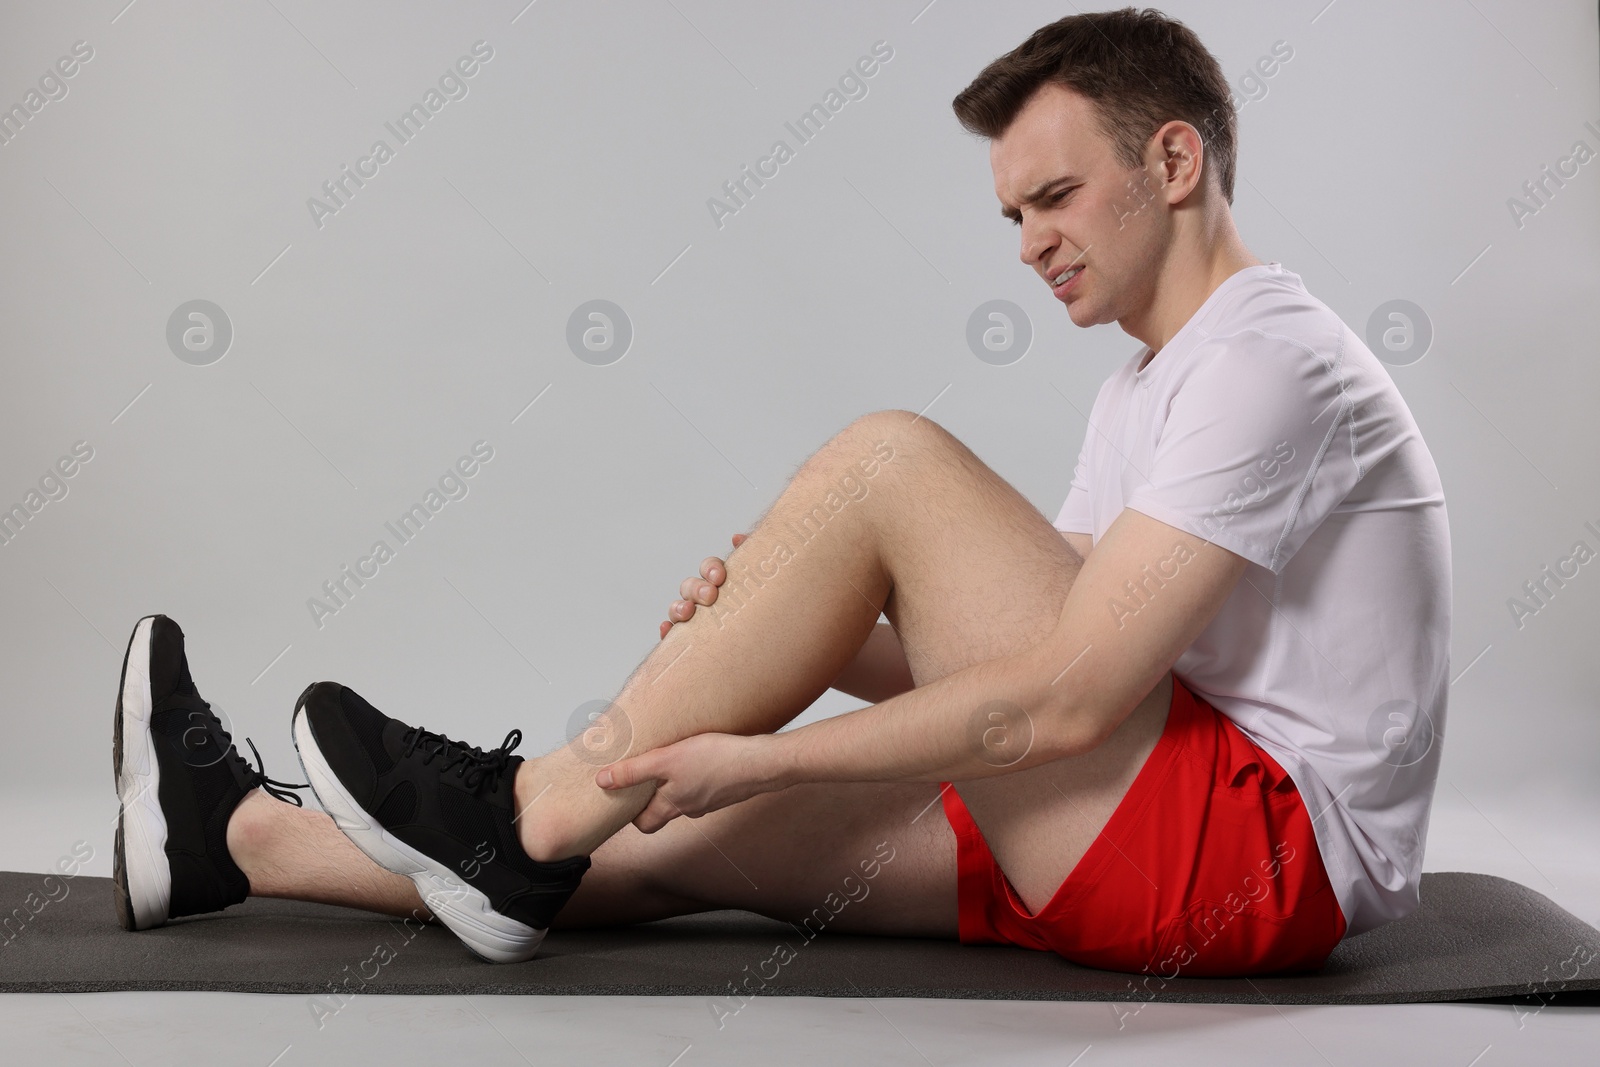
point(1474, 937)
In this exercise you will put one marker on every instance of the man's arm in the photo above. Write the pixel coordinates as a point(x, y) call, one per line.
point(1062, 697)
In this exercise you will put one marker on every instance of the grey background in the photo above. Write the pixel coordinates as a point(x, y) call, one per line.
point(369, 354)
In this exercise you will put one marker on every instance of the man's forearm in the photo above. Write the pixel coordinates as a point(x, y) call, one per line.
point(997, 716)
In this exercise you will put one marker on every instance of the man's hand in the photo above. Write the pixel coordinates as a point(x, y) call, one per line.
point(695, 591)
point(699, 774)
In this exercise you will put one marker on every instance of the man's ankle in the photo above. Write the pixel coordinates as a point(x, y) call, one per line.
point(537, 820)
point(250, 831)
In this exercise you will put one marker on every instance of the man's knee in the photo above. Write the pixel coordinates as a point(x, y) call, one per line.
point(857, 458)
point(891, 432)
point(892, 421)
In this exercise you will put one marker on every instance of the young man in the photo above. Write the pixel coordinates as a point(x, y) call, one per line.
point(1188, 729)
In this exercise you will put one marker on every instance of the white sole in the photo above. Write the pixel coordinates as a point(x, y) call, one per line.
point(144, 828)
point(465, 910)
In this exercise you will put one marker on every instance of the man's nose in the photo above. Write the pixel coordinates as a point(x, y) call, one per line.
point(1036, 244)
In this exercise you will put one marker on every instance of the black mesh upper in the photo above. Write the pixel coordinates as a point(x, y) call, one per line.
point(463, 817)
point(399, 807)
point(367, 723)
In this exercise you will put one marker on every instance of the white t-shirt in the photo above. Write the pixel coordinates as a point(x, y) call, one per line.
point(1266, 426)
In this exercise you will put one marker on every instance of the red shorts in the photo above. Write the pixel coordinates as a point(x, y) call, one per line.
point(1208, 867)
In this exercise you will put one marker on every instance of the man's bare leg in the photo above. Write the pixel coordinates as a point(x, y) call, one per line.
point(978, 573)
point(874, 857)
point(300, 854)
point(967, 570)
point(820, 835)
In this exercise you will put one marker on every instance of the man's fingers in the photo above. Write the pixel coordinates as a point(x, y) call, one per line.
point(696, 591)
point(656, 814)
point(701, 590)
point(649, 821)
point(628, 772)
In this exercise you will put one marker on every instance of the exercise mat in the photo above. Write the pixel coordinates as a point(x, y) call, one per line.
point(1474, 937)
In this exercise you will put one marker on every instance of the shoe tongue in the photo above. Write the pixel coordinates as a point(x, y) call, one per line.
point(441, 751)
point(503, 795)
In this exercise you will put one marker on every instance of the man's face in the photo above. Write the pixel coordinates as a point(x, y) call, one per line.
point(1103, 217)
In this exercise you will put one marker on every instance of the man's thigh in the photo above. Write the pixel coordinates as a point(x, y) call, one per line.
point(978, 572)
point(852, 857)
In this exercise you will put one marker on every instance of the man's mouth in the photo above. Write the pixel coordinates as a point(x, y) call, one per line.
point(1061, 279)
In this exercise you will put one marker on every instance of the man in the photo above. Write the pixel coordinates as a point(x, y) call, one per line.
point(1189, 729)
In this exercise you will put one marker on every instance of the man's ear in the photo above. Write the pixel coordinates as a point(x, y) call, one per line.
point(1183, 153)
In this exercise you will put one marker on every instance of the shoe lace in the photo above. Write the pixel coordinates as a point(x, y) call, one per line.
point(252, 775)
point(472, 764)
point(281, 790)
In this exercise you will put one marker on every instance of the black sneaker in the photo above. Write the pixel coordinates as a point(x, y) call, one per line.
point(178, 780)
point(437, 811)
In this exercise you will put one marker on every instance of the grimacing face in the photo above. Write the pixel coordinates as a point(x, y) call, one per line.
point(1082, 206)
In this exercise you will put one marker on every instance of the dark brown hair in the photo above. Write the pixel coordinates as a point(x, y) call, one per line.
point(1139, 68)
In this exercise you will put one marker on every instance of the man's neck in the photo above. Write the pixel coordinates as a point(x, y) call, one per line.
point(1185, 285)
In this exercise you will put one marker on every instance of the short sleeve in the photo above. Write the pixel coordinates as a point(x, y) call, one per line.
point(1075, 516)
point(1257, 448)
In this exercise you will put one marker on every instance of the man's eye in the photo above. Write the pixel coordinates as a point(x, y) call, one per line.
point(1052, 200)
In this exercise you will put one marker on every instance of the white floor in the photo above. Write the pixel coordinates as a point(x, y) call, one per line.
point(1544, 839)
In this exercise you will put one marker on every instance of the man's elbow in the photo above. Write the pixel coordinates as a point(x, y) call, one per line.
point(1059, 718)
point(1077, 722)
point(1066, 727)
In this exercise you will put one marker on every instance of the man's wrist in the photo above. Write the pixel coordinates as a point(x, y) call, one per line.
point(779, 764)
